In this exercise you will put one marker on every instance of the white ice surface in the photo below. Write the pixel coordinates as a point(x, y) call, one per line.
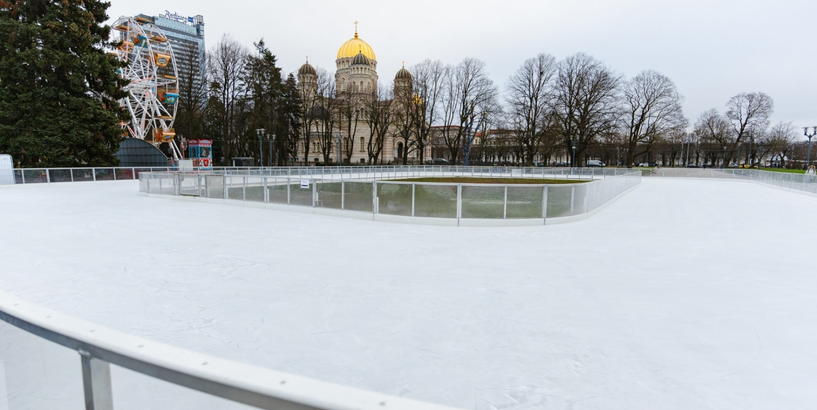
point(682, 294)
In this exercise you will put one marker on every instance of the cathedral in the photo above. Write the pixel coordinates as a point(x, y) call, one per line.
point(355, 74)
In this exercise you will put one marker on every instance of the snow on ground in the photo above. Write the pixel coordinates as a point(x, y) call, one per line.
point(681, 294)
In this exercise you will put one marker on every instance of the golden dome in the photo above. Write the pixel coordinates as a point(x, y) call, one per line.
point(354, 46)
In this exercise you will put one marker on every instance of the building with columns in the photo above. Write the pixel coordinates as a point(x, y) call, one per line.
point(354, 83)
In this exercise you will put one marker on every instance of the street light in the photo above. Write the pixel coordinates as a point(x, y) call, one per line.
point(813, 133)
point(271, 141)
point(260, 133)
point(573, 163)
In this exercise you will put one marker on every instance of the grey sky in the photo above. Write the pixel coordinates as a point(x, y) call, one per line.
point(712, 50)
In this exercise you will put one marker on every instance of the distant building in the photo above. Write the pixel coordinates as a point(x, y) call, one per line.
point(186, 36)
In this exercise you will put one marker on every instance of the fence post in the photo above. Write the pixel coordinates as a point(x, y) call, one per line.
point(505, 204)
point(266, 191)
point(314, 192)
point(224, 186)
point(288, 188)
point(132, 172)
point(72, 174)
point(375, 202)
point(96, 383)
point(572, 198)
point(459, 203)
point(342, 194)
point(545, 206)
point(412, 199)
point(48, 175)
point(93, 173)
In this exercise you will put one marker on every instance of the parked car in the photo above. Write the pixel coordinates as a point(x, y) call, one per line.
point(595, 163)
point(440, 161)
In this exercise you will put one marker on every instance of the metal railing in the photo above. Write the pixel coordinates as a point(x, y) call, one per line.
point(376, 192)
point(85, 174)
point(99, 347)
point(797, 182)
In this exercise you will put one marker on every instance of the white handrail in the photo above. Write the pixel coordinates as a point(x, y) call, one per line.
point(238, 382)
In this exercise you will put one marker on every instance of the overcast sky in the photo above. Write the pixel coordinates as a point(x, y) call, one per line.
point(712, 49)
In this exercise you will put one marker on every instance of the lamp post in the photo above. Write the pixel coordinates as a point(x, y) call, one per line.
point(260, 133)
point(813, 133)
point(573, 162)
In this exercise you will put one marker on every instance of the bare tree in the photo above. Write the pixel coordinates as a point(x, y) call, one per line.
point(428, 84)
point(749, 115)
point(714, 131)
point(326, 110)
point(530, 103)
point(781, 138)
point(651, 108)
point(468, 90)
point(377, 112)
point(586, 101)
point(348, 107)
point(225, 67)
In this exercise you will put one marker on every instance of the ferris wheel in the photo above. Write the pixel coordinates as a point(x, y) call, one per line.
point(153, 91)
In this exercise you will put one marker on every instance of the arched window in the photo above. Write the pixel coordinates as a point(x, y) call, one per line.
point(399, 150)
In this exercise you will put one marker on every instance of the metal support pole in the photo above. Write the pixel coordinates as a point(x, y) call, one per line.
point(266, 191)
point(375, 202)
point(48, 175)
point(243, 188)
point(225, 187)
point(505, 204)
point(412, 200)
point(72, 174)
point(342, 195)
point(96, 382)
point(314, 193)
point(93, 172)
point(459, 203)
point(289, 184)
point(545, 205)
point(572, 198)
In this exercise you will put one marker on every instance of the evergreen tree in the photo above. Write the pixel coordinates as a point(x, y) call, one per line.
point(58, 86)
point(289, 127)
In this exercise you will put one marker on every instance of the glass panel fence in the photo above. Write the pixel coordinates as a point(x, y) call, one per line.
point(277, 188)
point(34, 176)
point(83, 174)
point(483, 202)
point(328, 194)
point(558, 204)
point(38, 374)
point(435, 201)
point(189, 184)
point(357, 196)
point(60, 175)
point(394, 199)
point(214, 186)
point(254, 190)
point(104, 174)
point(301, 195)
point(580, 199)
point(524, 202)
point(123, 173)
point(235, 187)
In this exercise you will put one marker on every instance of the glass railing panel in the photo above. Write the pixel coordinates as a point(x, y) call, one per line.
point(524, 202)
point(38, 374)
point(214, 186)
point(255, 189)
point(35, 176)
point(580, 200)
point(104, 174)
point(301, 194)
point(329, 194)
point(394, 199)
point(123, 173)
point(277, 188)
point(357, 196)
point(558, 203)
point(234, 187)
point(60, 175)
point(83, 174)
point(483, 202)
point(189, 184)
point(435, 201)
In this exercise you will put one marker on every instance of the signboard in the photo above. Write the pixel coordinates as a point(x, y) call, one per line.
point(178, 17)
point(304, 183)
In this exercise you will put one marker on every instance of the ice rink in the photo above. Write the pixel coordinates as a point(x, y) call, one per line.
point(682, 294)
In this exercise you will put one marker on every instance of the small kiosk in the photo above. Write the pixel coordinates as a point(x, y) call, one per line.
point(201, 152)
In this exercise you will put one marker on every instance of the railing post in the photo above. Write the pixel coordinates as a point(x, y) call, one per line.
point(572, 198)
point(412, 199)
point(224, 187)
point(545, 205)
point(375, 202)
point(48, 175)
point(459, 203)
point(132, 173)
point(342, 194)
point(96, 382)
point(314, 192)
point(93, 173)
point(505, 204)
point(266, 191)
point(23, 175)
point(288, 189)
point(72, 174)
